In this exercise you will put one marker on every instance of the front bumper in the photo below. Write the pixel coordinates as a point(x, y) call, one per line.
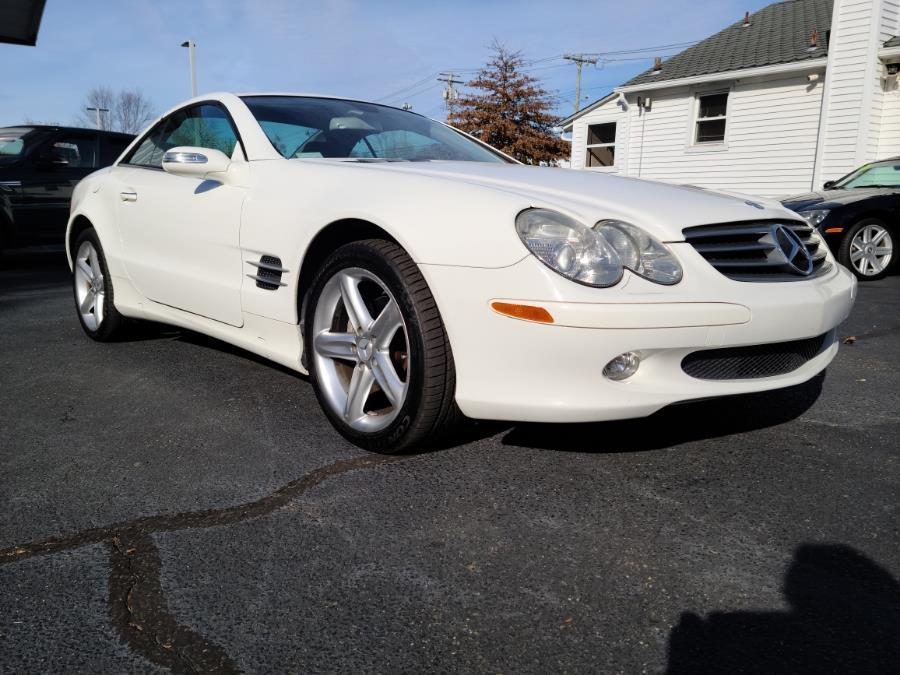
point(516, 370)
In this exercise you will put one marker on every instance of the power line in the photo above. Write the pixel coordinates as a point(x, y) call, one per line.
point(450, 94)
point(579, 60)
point(412, 93)
point(401, 92)
point(428, 83)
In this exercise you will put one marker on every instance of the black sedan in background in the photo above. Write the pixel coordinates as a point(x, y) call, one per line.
point(39, 167)
point(859, 216)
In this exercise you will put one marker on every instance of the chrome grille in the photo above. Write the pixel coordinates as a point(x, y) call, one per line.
point(758, 251)
point(744, 363)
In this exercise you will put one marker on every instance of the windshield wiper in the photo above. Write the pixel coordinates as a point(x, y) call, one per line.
point(856, 187)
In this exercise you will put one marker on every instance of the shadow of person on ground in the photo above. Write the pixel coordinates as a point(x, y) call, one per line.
point(844, 617)
point(676, 424)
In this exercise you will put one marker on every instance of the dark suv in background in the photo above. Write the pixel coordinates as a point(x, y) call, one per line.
point(39, 167)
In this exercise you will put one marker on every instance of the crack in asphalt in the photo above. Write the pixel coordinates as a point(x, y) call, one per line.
point(137, 605)
point(140, 612)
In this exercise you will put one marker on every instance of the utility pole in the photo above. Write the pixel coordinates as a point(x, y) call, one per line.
point(579, 60)
point(450, 94)
point(98, 110)
point(191, 45)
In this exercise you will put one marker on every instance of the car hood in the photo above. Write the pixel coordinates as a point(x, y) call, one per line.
point(829, 199)
point(663, 209)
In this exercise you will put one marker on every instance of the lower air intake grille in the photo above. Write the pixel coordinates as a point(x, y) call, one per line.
point(760, 250)
point(744, 363)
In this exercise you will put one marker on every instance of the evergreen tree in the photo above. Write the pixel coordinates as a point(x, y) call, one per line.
point(509, 110)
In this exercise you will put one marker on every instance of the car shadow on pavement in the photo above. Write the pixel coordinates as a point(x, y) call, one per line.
point(675, 424)
point(843, 616)
point(34, 270)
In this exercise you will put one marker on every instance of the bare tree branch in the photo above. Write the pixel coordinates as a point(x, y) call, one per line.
point(30, 121)
point(133, 111)
point(129, 110)
point(98, 97)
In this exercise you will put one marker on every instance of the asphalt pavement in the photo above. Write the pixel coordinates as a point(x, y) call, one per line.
point(173, 503)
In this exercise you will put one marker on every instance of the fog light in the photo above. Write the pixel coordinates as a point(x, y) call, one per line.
point(623, 366)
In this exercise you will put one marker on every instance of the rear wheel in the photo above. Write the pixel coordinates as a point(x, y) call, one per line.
point(868, 249)
point(377, 352)
point(93, 290)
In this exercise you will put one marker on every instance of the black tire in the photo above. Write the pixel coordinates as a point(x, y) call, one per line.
point(113, 325)
point(843, 253)
point(429, 408)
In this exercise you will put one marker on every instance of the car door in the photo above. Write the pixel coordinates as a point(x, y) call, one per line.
point(51, 173)
point(180, 235)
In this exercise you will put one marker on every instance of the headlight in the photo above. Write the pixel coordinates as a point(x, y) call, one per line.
point(640, 252)
point(814, 216)
point(569, 248)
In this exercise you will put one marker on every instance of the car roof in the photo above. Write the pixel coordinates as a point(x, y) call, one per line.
point(333, 97)
point(56, 127)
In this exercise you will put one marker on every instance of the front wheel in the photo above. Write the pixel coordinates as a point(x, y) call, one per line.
point(92, 286)
point(378, 355)
point(867, 249)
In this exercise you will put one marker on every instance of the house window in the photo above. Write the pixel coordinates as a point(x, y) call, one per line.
point(601, 145)
point(711, 110)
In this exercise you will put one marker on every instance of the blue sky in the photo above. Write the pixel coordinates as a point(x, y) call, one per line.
point(364, 49)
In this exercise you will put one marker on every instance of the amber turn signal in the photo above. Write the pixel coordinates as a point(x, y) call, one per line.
point(833, 230)
point(526, 312)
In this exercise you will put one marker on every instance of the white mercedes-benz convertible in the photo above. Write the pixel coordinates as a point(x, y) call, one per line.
point(415, 273)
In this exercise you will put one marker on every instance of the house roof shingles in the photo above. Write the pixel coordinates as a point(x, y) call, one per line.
point(893, 42)
point(779, 33)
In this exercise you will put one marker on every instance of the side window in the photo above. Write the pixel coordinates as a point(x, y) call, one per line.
point(204, 126)
point(149, 152)
point(601, 145)
point(79, 151)
point(712, 112)
point(111, 147)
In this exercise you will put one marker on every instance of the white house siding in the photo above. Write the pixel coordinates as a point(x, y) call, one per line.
point(852, 112)
point(889, 93)
point(770, 137)
point(784, 135)
point(608, 112)
point(889, 139)
point(890, 20)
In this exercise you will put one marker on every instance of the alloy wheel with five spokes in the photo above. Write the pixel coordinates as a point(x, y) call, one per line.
point(90, 289)
point(361, 349)
point(93, 290)
point(378, 355)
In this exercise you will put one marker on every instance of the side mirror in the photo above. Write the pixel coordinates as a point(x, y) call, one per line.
point(829, 184)
point(192, 162)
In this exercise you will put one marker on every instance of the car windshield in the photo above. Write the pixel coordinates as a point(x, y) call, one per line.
point(305, 127)
point(13, 142)
point(880, 174)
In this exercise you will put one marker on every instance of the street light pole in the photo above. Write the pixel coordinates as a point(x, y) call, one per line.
point(98, 110)
point(191, 45)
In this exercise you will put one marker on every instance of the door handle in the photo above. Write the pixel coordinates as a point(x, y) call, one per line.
point(128, 196)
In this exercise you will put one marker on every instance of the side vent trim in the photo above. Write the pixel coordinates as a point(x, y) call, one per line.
point(269, 271)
